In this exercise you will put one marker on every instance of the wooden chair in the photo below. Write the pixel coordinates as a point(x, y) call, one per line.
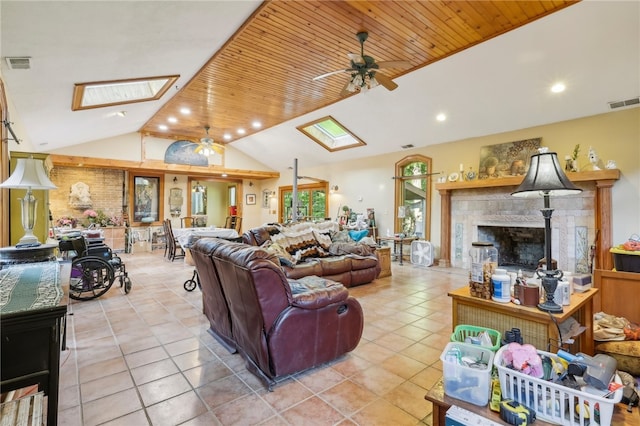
point(173, 244)
point(186, 222)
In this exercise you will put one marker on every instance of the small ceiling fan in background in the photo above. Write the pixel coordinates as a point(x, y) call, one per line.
point(207, 146)
point(364, 70)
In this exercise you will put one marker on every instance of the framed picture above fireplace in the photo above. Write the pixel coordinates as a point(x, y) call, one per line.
point(507, 159)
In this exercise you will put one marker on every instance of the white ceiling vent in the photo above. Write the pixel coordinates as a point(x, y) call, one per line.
point(19, 62)
point(407, 146)
point(628, 102)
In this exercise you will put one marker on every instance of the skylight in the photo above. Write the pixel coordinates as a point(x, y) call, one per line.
point(332, 135)
point(117, 92)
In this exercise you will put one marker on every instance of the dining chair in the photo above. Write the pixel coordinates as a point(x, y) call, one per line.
point(186, 222)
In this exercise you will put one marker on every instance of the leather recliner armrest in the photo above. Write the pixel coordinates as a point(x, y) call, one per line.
point(313, 292)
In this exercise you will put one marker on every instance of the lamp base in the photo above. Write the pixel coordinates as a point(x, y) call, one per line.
point(552, 307)
point(28, 239)
point(549, 280)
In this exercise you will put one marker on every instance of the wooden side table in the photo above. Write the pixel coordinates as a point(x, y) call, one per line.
point(398, 242)
point(537, 327)
point(384, 258)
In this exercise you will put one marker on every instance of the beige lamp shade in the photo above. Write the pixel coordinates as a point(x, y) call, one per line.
point(29, 173)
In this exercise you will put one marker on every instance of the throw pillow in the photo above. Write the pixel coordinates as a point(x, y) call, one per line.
point(358, 235)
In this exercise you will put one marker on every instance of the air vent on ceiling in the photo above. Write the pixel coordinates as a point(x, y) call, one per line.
point(628, 102)
point(19, 62)
point(407, 146)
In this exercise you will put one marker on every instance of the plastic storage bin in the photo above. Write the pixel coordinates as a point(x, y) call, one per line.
point(555, 403)
point(461, 332)
point(626, 261)
point(470, 384)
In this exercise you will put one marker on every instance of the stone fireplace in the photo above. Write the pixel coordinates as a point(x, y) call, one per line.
point(577, 222)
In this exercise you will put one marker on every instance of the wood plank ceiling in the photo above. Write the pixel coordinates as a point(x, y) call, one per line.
point(265, 71)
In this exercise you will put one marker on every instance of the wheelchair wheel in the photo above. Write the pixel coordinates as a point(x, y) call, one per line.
point(127, 285)
point(91, 277)
point(190, 285)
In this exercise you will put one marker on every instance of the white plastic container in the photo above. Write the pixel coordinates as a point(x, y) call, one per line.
point(553, 402)
point(501, 286)
point(469, 384)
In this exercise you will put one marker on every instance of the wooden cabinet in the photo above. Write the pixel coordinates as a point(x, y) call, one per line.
point(114, 237)
point(618, 293)
point(384, 258)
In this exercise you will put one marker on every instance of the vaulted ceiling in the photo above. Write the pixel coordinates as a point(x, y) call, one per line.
point(487, 64)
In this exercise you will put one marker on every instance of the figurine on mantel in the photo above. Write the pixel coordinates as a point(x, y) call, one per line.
point(572, 160)
point(594, 161)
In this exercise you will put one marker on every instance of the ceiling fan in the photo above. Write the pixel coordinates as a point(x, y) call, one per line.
point(364, 70)
point(207, 146)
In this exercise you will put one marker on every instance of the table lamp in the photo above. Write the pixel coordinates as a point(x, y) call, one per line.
point(545, 179)
point(29, 174)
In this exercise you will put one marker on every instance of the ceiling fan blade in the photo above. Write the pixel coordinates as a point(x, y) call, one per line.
point(394, 64)
point(330, 73)
point(386, 81)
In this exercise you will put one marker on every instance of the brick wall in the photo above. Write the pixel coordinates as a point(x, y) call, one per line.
point(105, 187)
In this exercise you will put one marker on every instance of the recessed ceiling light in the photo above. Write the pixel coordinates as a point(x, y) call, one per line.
point(558, 88)
point(241, 131)
point(172, 120)
point(163, 127)
point(185, 111)
point(226, 136)
point(256, 124)
point(224, 175)
point(441, 117)
point(121, 113)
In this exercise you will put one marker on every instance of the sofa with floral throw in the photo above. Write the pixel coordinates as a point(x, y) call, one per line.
point(320, 249)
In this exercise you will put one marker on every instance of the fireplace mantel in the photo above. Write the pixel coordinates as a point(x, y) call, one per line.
point(604, 180)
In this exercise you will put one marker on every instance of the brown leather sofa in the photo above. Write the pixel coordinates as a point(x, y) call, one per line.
point(349, 269)
point(280, 326)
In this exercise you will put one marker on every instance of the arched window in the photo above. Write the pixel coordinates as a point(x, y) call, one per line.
point(413, 196)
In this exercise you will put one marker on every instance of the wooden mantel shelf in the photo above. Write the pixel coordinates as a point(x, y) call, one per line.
point(604, 180)
point(594, 175)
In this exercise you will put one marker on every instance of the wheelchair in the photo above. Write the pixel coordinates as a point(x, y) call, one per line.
point(94, 268)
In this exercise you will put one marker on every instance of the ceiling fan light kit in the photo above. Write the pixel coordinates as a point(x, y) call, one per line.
point(207, 146)
point(363, 70)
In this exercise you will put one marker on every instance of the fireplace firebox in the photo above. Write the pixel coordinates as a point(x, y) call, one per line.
point(518, 247)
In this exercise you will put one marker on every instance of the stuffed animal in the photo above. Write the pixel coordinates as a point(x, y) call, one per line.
point(524, 358)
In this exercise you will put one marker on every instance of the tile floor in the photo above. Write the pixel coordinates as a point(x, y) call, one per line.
point(146, 358)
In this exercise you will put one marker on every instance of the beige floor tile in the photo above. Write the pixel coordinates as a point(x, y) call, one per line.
point(162, 389)
point(146, 356)
point(204, 419)
point(101, 369)
point(176, 410)
point(206, 373)
point(312, 411)
point(193, 359)
point(222, 391)
point(410, 398)
point(154, 371)
point(106, 386)
point(248, 410)
point(383, 413)
point(286, 395)
point(377, 380)
point(319, 379)
point(137, 418)
point(183, 346)
point(110, 407)
point(403, 366)
point(348, 397)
